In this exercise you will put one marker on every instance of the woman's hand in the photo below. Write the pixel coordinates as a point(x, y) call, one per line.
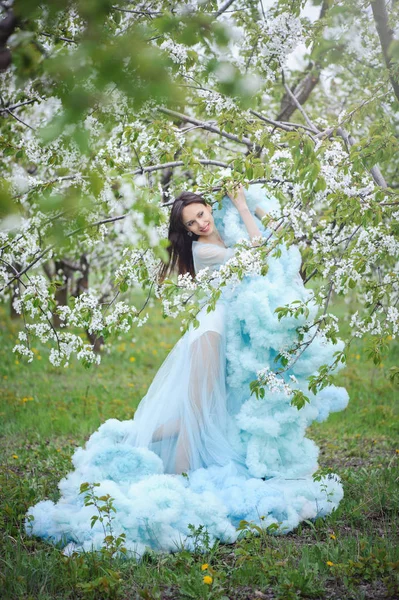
point(237, 197)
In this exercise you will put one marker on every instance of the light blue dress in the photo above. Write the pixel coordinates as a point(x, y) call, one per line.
point(245, 458)
point(184, 417)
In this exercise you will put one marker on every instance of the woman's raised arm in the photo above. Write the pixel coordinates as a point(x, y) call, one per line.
point(260, 213)
point(238, 199)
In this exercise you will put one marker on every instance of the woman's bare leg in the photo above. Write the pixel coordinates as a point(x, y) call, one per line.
point(205, 368)
point(170, 429)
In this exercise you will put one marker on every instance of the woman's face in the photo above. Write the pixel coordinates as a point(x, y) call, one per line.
point(198, 218)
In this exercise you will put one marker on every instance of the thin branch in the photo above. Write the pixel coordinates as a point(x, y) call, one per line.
point(278, 124)
point(207, 126)
point(223, 8)
point(50, 182)
point(146, 13)
point(285, 125)
point(14, 106)
point(374, 171)
point(59, 37)
point(18, 119)
point(178, 163)
point(307, 344)
point(109, 220)
point(364, 103)
point(301, 109)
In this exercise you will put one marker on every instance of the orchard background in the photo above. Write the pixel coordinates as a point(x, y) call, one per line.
point(107, 112)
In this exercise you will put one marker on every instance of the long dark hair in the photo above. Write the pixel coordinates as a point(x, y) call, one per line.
point(180, 248)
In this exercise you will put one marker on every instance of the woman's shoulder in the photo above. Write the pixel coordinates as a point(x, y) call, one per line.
point(207, 254)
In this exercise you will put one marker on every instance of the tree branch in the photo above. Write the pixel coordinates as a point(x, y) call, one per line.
point(207, 126)
point(223, 8)
point(301, 91)
point(178, 163)
point(302, 111)
point(58, 37)
point(8, 111)
point(374, 171)
point(146, 13)
point(14, 106)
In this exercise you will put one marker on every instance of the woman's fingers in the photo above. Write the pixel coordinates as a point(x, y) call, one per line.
point(238, 192)
point(237, 196)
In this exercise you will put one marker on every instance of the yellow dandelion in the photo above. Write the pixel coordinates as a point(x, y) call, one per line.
point(329, 563)
point(207, 580)
point(357, 356)
point(132, 358)
point(17, 362)
point(397, 450)
point(15, 455)
point(204, 567)
point(5, 376)
point(332, 536)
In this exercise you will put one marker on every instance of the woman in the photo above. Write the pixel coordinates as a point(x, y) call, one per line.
point(192, 429)
point(241, 458)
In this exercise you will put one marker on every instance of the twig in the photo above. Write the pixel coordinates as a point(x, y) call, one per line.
point(18, 119)
point(147, 13)
point(246, 141)
point(59, 37)
point(14, 106)
point(300, 108)
point(178, 163)
point(223, 8)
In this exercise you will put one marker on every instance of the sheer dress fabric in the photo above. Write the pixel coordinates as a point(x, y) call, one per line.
point(184, 416)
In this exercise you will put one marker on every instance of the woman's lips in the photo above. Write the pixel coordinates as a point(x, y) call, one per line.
point(206, 229)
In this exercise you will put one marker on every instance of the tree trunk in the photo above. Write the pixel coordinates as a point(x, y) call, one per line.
point(385, 33)
point(83, 286)
point(61, 294)
point(15, 290)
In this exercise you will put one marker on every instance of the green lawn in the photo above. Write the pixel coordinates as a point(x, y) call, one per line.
point(46, 412)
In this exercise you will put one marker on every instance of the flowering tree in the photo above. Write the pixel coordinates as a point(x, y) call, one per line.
point(108, 111)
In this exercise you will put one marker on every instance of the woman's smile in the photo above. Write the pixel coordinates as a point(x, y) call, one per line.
point(205, 229)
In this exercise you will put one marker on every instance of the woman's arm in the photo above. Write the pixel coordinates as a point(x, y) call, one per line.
point(239, 201)
point(260, 213)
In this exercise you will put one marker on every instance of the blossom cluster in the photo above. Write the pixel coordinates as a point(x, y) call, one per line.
point(274, 382)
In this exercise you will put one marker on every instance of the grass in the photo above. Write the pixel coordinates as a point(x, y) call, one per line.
point(47, 411)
